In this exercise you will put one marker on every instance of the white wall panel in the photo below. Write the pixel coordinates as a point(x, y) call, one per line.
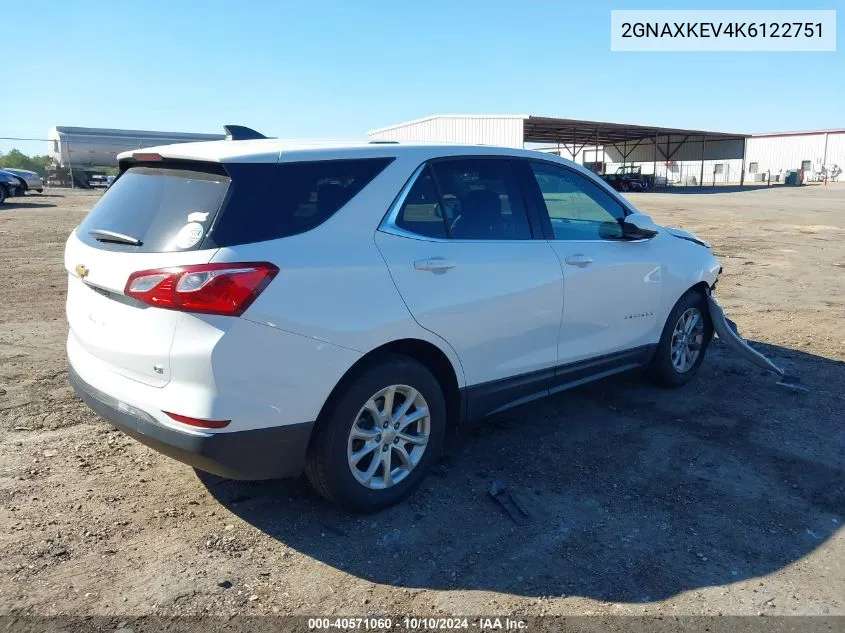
point(780, 153)
point(836, 152)
point(505, 131)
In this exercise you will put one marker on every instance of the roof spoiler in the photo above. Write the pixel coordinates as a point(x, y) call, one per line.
point(241, 133)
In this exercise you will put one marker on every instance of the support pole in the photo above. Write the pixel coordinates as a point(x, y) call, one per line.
point(69, 164)
point(600, 162)
point(654, 165)
point(742, 173)
point(824, 159)
point(574, 143)
point(625, 154)
point(668, 156)
point(703, 149)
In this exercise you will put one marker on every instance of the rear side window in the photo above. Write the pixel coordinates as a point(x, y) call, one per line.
point(421, 213)
point(466, 199)
point(164, 209)
point(271, 201)
point(481, 200)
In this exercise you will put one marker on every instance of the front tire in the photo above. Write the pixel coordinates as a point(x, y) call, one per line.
point(683, 343)
point(2, 194)
point(375, 442)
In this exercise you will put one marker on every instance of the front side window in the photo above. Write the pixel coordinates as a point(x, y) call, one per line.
point(578, 209)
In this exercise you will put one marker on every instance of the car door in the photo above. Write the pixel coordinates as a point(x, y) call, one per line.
point(460, 248)
point(612, 286)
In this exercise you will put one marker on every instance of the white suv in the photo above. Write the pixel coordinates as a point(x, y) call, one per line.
point(257, 308)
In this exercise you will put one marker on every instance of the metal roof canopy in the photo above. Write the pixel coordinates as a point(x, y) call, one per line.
point(537, 129)
point(540, 129)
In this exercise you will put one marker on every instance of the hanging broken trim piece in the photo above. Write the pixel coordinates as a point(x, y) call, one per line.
point(727, 332)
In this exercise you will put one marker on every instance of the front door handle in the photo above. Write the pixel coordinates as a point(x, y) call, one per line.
point(579, 260)
point(434, 264)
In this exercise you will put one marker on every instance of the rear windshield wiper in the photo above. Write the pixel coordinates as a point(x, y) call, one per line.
point(102, 235)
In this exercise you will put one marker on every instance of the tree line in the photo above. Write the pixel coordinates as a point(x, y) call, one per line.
point(18, 160)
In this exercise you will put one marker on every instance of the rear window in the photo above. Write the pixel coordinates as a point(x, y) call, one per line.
point(165, 209)
point(171, 208)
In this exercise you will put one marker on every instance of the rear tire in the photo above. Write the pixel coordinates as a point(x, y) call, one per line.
point(356, 442)
point(683, 343)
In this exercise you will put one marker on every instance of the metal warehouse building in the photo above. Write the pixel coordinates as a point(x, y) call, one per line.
point(673, 155)
point(815, 152)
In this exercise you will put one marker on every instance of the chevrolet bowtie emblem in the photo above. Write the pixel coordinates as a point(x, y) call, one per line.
point(81, 270)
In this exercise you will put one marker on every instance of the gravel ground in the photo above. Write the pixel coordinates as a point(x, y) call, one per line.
point(726, 496)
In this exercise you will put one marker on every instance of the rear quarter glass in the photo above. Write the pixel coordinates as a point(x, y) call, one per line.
point(171, 208)
point(271, 201)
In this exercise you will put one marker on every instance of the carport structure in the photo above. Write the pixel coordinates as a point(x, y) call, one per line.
point(645, 145)
point(575, 135)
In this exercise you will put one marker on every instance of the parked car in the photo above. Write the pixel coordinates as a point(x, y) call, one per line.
point(10, 186)
point(629, 178)
point(98, 181)
point(259, 308)
point(30, 181)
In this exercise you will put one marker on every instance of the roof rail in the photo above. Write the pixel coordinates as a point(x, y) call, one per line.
point(241, 133)
point(384, 142)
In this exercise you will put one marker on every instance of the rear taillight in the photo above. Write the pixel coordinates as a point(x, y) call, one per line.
point(227, 289)
point(198, 422)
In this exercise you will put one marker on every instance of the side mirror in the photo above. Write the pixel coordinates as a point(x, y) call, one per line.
point(638, 226)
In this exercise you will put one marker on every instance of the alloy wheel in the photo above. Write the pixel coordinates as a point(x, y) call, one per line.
point(388, 437)
point(687, 340)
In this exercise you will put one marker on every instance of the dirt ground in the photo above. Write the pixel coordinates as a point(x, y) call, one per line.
point(726, 496)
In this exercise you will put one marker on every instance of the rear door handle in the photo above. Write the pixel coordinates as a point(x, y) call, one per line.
point(579, 260)
point(434, 264)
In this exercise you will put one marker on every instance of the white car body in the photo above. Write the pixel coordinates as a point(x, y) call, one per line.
point(558, 312)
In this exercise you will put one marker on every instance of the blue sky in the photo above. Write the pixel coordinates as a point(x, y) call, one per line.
point(341, 67)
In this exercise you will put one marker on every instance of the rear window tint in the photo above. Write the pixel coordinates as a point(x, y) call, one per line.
point(286, 199)
point(168, 208)
point(165, 209)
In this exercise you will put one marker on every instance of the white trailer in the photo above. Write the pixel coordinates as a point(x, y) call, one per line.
point(85, 147)
point(78, 152)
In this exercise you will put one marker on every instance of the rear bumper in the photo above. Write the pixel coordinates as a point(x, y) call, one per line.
point(265, 453)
